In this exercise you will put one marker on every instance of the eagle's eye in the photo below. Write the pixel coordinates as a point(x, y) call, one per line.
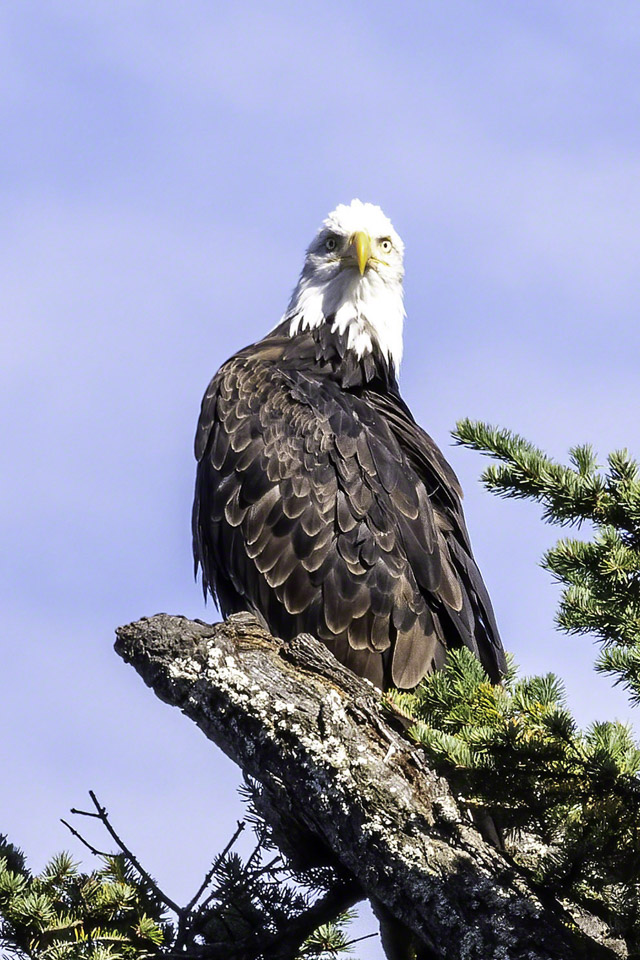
point(386, 245)
point(330, 244)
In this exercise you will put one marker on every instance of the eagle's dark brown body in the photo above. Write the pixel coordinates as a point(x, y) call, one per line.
point(323, 507)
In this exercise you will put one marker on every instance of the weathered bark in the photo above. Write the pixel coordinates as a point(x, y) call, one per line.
point(335, 766)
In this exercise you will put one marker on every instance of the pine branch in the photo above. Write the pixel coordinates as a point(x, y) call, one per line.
point(568, 494)
point(516, 753)
point(601, 577)
point(63, 913)
point(286, 944)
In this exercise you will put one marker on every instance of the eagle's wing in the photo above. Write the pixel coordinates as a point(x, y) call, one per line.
point(445, 496)
point(309, 512)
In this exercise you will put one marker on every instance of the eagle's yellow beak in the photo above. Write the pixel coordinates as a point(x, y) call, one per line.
point(362, 243)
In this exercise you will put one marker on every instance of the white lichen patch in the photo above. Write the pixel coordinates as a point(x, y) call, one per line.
point(184, 667)
point(284, 706)
point(334, 702)
point(360, 762)
point(329, 750)
point(224, 674)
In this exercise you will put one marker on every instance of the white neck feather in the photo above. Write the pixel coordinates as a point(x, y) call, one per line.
point(369, 308)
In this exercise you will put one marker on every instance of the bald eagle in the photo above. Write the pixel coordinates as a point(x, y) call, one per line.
point(320, 504)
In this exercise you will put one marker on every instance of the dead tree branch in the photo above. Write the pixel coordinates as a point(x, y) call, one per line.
point(338, 772)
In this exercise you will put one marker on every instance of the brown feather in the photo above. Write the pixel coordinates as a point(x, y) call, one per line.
point(322, 505)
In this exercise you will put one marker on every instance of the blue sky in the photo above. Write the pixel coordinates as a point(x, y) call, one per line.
point(162, 167)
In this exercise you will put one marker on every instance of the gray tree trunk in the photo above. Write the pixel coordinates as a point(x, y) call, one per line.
point(340, 777)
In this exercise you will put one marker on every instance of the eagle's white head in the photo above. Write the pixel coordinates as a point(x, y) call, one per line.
point(352, 274)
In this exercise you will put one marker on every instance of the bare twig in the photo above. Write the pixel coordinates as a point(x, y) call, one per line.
point(267, 868)
point(214, 866)
point(255, 873)
point(89, 846)
point(185, 915)
point(368, 936)
point(102, 815)
point(84, 813)
point(282, 945)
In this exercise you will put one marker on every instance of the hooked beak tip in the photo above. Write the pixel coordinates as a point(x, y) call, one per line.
point(362, 244)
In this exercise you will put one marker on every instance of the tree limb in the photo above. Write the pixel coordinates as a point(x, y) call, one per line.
point(335, 767)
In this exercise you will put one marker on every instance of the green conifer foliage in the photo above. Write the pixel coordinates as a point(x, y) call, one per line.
point(330, 940)
point(568, 801)
point(63, 913)
point(601, 577)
